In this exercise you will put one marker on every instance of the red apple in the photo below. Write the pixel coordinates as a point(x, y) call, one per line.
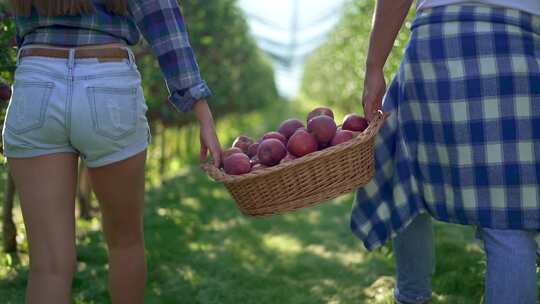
point(323, 127)
point(252, 150)
point(341, 137)
point(237, 164)
point(289, 126)
point(355, 122)
point(302, 143)
point(228, 152)
point(271, 152)
point(243, 142)
point(275, 135)
point(322, 146)
point(320, 111)
point(5, 92)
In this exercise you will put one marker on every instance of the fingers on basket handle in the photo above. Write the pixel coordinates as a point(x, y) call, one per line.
point(211, 170)
point(378, 116)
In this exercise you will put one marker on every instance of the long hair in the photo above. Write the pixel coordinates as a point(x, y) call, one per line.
point(66, 7)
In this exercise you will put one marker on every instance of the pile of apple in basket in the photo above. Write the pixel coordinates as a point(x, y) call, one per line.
point(292, 140)
point(299, 165)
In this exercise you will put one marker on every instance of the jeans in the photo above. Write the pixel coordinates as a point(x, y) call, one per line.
point(511, 264)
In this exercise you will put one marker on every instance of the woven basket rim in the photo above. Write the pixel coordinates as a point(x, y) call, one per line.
point(363, 137)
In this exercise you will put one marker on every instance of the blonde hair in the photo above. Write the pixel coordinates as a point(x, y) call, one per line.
point(66, 7)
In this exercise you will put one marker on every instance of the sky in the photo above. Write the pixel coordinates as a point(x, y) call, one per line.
point(271, 23)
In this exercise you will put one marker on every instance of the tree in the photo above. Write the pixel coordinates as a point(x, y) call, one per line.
point(334, 73)
point(240, 77)
point(7, 66)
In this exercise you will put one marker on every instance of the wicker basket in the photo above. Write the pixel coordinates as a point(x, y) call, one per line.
point(306, 181)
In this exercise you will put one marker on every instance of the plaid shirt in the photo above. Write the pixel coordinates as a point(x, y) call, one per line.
point(463, 140)
point(160, 22)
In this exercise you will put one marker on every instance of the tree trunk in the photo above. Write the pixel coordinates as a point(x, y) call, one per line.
point(162, 157)
point(8, 226)
point(178, 137)
point(84, 192)
point(189, 141)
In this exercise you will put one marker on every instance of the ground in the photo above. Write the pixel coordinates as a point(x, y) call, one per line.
point(201, 249)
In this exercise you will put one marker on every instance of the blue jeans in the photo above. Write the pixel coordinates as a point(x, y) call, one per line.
point(511, 264)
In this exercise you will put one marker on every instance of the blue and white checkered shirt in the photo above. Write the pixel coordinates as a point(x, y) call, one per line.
point(160, 22)
point(463, 140)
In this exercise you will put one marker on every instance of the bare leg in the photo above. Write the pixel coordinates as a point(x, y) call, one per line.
point(46, 186)
point(119, 188)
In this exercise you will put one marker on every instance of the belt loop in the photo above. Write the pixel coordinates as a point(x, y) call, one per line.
point(71, 58)
point(19, 53)
point(131, 56)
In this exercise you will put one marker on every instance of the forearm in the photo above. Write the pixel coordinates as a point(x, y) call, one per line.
point(202, 112)
point(387, 21)
point(162, 24)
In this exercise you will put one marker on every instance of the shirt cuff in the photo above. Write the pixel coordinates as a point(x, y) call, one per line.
point(184, 100)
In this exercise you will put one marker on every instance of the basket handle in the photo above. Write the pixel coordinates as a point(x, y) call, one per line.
point(379, 117)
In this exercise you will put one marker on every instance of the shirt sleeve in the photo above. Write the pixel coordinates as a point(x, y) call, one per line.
point(162, 25)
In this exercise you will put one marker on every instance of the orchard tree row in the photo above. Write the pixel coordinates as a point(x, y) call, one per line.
point(334, 73)
point(240, 77)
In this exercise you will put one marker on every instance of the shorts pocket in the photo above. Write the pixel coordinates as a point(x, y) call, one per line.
point(114, 111)
point(28, 107)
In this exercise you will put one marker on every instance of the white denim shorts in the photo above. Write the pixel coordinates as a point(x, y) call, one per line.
point(91, 108)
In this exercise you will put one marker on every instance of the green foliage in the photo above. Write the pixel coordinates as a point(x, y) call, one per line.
point(7, 55)
point(201, 249)
point(239, 75)
point(7, 44)
point(334, 74)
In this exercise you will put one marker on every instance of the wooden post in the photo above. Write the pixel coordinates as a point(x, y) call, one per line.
point(8, 226)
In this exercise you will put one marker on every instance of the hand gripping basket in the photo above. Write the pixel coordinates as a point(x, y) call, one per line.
point(306, 181)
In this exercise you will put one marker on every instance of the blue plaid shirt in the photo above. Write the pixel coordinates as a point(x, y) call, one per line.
point(160, 22)
point(463, 140)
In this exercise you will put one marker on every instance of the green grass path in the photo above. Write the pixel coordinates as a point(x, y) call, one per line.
point(202, 250)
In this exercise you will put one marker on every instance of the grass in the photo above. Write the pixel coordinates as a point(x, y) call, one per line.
point(202, 250)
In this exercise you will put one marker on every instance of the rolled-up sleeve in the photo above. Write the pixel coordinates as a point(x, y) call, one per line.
point(162, 25)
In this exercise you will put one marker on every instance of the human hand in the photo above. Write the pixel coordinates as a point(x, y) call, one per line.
point(374, 90)
point(208, 136)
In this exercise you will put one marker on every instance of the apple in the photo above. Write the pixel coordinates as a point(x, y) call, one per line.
point(289, 126)
point(355, 122)
point(320, 111)
point(275, 135)
point(243, 142)
point(271, 152)
point(237, 164)
point(302, 143)
point(341, 137)
point(323, 127)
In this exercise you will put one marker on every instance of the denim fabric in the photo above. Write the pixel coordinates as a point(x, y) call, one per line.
point(415, 260)
point(84, 106)
point(511, 264)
